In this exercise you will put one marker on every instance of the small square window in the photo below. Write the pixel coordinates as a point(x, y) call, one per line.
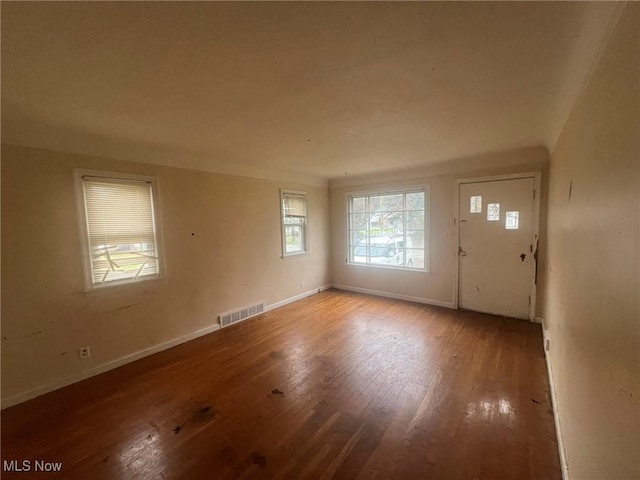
point(493, 212)
point(475, 204)
point(511, 220)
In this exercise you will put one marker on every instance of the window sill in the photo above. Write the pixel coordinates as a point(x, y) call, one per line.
point(388, 267)
point(291, 256)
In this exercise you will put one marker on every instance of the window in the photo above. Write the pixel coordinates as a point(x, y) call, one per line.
point(511, 222)
point(294, 223)
point(119, 229)
point(475, 204)
point(493, 212)
point(388, 229)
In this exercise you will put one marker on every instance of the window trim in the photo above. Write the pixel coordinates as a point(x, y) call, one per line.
point(305, 226)
point(89, 286)
point(423, 188)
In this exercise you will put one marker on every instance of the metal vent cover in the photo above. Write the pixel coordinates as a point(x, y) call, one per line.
point(240, 314)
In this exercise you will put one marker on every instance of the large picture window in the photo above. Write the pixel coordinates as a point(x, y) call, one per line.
point(294, 223)
point(388, 229)
point(119, 229)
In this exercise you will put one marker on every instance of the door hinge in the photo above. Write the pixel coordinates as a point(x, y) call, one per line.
point(531, 248)
point(534, 194)
point(529, 300)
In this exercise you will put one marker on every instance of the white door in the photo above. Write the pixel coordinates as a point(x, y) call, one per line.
point(496, 246)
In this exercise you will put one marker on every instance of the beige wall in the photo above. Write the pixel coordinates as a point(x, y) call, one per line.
point(592, 302)
point(233, 259)
point(437, 285)
point(589, 288)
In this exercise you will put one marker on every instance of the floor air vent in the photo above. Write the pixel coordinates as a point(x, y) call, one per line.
point(235, 316)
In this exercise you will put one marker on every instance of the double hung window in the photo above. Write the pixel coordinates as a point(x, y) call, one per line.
point(294, 223)
point(119, 229)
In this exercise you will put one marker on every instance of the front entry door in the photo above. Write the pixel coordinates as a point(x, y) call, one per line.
point(496, 246)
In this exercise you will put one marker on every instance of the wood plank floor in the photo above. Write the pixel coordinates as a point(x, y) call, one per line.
point(338, 385)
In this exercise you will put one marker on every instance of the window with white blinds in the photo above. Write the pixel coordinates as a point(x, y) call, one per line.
point(294, 223)
point(120, 229)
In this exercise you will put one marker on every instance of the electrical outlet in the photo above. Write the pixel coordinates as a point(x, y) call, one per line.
point(84, 352)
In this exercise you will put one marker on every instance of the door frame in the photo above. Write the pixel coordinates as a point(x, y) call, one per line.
point(537, 177)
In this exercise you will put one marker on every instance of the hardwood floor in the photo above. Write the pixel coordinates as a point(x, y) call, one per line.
point(338, 385)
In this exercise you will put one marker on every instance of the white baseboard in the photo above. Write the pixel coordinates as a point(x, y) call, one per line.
point(295, 298)
point(539, 320)
point(105, 367)
point(556, 415)
point(397, 296)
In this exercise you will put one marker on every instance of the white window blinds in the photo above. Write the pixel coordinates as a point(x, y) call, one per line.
point(120, 227)
point(295, 205)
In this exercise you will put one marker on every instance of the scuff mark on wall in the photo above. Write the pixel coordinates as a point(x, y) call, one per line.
point(127, 307)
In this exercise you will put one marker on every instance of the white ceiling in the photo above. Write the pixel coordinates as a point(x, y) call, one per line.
point(297, 91)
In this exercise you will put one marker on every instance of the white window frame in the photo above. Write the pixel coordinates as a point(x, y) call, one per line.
point(304, 225)
point(395, 191)
point(79, 175)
